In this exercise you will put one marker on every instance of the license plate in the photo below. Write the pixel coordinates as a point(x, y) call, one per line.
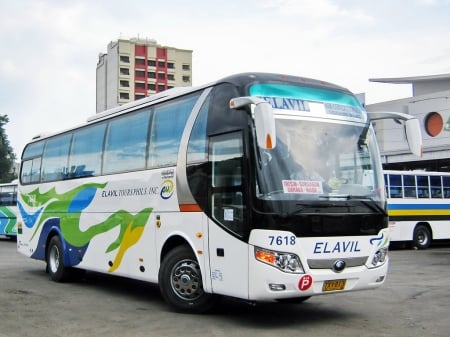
point(333, 285)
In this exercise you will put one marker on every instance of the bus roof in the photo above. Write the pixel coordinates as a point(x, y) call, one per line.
point(242, 79)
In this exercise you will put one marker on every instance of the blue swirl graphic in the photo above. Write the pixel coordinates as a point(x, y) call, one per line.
point(82, 200)
point(379, 239)
point(29, 219)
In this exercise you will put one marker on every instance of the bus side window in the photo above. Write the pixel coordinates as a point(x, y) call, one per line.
point(86, 154)
point(409, 182)
point(55, 158)
point(167, 127)
point(436, 186)
point(31, 163)
point(446, 185)
point(126, 143)
point(423, 187)
point(228, 206)
point(395, 185)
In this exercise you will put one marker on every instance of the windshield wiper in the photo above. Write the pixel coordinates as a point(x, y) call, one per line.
point(366, 200)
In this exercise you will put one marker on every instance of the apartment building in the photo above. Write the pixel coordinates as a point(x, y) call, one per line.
point(135, 68)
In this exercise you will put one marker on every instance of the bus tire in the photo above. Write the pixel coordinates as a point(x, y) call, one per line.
point(180, 282)
point(55, 263)
point(422, 237)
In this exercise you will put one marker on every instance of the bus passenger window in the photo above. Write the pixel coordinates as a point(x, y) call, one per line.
point(446, 185)
point(126, 143)
point(55, 158)
point(86, 153)
point(423, 187)
point(436, 187)
point(31, 171)
point(410, 186)
point(167, 128)
point(396, 188)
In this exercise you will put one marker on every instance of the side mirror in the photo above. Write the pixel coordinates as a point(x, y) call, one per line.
point(413, 136)
point(264, 120)
point(412, 128)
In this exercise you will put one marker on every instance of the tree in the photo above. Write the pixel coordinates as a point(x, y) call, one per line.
point(7, 156)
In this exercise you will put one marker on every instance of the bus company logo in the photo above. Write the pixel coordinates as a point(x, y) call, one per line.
point(167, 189)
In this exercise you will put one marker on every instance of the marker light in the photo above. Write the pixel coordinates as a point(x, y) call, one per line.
point(286, 262)
point(269, 142)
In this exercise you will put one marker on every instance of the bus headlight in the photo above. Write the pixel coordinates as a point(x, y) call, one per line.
point(286, 262)
point(380, 257)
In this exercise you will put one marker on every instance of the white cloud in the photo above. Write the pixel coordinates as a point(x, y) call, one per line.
point(316, 9)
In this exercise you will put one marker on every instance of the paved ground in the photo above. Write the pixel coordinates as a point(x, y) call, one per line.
point(415, 301)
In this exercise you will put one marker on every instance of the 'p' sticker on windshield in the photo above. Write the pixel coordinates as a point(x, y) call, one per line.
point(302, 186)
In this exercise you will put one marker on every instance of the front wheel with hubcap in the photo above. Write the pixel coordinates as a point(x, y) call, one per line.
point(180, 282)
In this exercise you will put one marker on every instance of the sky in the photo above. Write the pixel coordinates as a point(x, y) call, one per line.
point(49, 48)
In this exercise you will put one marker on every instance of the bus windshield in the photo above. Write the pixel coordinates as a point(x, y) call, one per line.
point(316, 159)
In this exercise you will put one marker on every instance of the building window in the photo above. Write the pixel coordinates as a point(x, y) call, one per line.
point(170, 65)
point(186, 78)
point(139, 73)
point(125, 59)
point(151, 86)
point(138, 96)
point(140, 61)
point(151, 63)
point(161, 76)
point(186, 67)
point(161, 64)
point(125, 84)
point(124, 71)
point(170, 77)
point(151, 74)
point(139, 85)
point(161, 87)
point(124, 95)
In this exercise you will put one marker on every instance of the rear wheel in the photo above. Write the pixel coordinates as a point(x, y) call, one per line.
point(422, 237)
point(180, 282)
point(55, 264)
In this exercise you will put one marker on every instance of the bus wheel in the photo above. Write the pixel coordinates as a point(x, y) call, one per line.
point(55, 264)
point(180, 282)
point(422, 237)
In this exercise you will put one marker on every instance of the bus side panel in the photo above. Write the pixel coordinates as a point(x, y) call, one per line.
point(189, 227)
point(229, 263)
point(8, 221)
point(405, 214)
point(441, 229)
point(401, 230)
point(105, 220)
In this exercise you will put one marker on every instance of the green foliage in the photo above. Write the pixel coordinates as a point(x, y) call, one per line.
point(7, 156)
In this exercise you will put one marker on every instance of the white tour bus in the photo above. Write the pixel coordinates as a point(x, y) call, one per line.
point(251, 187)
point(418, 206)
